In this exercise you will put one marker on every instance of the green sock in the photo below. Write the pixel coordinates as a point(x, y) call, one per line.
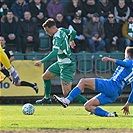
point(81, 99)
point(47, 88)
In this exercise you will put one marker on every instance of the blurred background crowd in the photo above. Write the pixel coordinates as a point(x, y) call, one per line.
point(100, 24)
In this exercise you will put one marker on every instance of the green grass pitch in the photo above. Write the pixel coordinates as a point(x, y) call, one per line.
point(56, 117)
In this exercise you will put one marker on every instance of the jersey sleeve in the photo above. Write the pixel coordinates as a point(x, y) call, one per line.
point(124, 63)
point(130, 98)
point(51, 55)
point(4, 59)
point(71, 33)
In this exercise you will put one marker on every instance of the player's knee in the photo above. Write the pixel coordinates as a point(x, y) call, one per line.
point(45, 77)
point(87, 107)
point(82, 82)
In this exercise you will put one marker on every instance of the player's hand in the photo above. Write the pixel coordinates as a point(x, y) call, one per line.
point(38, 63)
point(125, 109)
point(15, 77)
point(105, 59)
point(72, 44)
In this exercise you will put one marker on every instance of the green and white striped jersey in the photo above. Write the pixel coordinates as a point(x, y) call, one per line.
point(61, 41)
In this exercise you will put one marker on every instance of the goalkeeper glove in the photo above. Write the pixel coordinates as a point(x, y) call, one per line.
point(15, 77)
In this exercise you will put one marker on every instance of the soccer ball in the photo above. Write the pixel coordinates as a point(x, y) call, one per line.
point(28, 109)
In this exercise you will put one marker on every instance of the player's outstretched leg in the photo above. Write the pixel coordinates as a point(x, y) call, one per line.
point(103, 113)
point(114, 114)
point(72, 95)
point(62, 101)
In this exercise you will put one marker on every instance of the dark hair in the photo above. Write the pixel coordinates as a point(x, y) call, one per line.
point(129, 50)
point(2, 36)
point(49, 23)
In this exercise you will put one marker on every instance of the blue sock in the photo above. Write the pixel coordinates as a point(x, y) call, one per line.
point(73, 94)
point(101, 112)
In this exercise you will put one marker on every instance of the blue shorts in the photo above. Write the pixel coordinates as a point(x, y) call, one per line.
point(108, 89)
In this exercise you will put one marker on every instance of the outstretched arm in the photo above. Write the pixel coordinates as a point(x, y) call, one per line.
point(122, 63)
point(48, 57)
point(106, 59)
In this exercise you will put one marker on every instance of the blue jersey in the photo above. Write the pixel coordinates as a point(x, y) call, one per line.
point(112, 88)
point(123, 75)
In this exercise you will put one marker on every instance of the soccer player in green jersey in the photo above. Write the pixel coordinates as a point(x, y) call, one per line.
point(65, 65)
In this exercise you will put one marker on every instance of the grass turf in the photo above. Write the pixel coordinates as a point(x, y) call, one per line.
point(56, 117)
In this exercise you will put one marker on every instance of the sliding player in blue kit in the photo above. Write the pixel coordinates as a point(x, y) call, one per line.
point(110, 89)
